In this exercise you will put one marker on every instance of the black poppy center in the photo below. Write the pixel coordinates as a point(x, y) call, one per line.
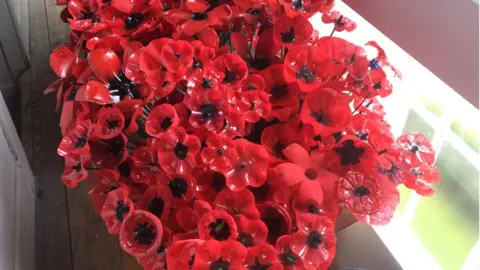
point(362, 191)
point(133, 21)
point(414, 149)
point(124, 169)
point(122, 87)
point(377, 86)
point(349, 154)
point(275, 223)
point(72, 94)
point(258, 265)
point(313, 209)
point(208, 110)
point(197, 63)
point(156, 206)
point(198, 16)
point(220, 152)
point(178, 186)
point(218, 181)
point(121, 210)
point(314, 239)
point(166, 123)
point(229, 76)
point(191, 262)
point(81, 141)
point(279, 90)
point(362, 135)
point(144, 233)
point(339, 21)
point(288, 37)
point(160, 249)
point(305, 74)
point(77, 167)
point(207, 84)
point(278, 150)
point(181, 151)
point(251, 87)
point(311, 174)
point(220, 230)
point(297, 4)
point(116, 148)
point(219, 265)
point(253, 11)
point(88, 15)
point(245, 239)
point(112, 124)
point(320, 117)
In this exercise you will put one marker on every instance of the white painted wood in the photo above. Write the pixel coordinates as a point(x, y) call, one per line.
point(17, 200)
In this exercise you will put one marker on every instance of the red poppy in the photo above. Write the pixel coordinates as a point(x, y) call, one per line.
point(374, 83)
point(194, 16)
point(422, 178)
point(381, 60)
point(111, 122)
point(219, 153)
point(233, 67)
point(250, 232)
point(177, 56)
point(108, 153)
point(218, 225)
point(208, 184)
point(250, 168)
point(158, 259)
point(209, 110)
point(161, 119)
point(237, 202)
point(219, 255)
point(87, 15)
point(274, 189)
point(292, 31)
point(328, 208)
point(341, 22)
point(288, 258)
point(263, 256)
point(275, 139)
point(181, 187)
point(370, 131)
point(117, 206)
point(187, 217)
point(359, 193)
point(277, 219)
point(204, 80)
point(146, 166)
point(351, 153)
point(182, 254)
point(370, 107)
point(136, 18)
point(177, 151)
point(74, 171)
point(62, 61)
point(157, 199)
point(417, 149)
point(105, 181)
point(234, 125)
point(203, 53)
point(76, 142)
point(253, 82)
point(254, 105)
point(306, 7)
point(141, 233)
point(326, 111)
point(281, 92)
point(309, 172)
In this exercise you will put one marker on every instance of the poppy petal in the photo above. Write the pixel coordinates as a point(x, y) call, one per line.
point(105, 64)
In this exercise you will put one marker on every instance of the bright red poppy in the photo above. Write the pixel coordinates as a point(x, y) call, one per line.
point(351, 153)
point(281, 92)
point(370, 131)
point(104, 182)
point(182, 254)
point(274, 189)
point(217, 225)
point(88, 16)
point(158, 259)
point(250, 232)
point(341, 22)
point(250, 168)
point(208, 184)
point(314, 241)
point(263, 256)
point(111, 122)
point(370, 107)
point(234, 125)
point(287, 257)
point(306, 7)
point(141, 233)
point(157, 200)
point(177, 151)
point(187, 217)
point(359, 192)
point(254, 105)
point(177, 56)
point(74, 170)
point(161, 119)
point(416, 149)
point(422, 178)
point(117, 206)
point(208, 110)
point(146, 167)
point(181, 187)
point(219, 255)
point(237, 202)
point(219, 153)
point(275, 139)
point(204, 80)
point(292, 31)
point(76, 142)
point(233, 67)
point(137, 18)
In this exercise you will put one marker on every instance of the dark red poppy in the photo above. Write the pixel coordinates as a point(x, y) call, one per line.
point(177, 56)
point(158, 259)
point(359, 193)
point(277, 219)
point(306, 7)
point(209, 110)
point(254, 105)
point(87, 15)
point(422, 178)
point(161, 119)
point(326, 111)
point(341, 22)
point(146, 167)
point(194, 16)
point(117, 206)
point(287, 257)
point(250, 168)
point(141, 233)
point(177, 151)
point(274, 189)
point(292, 31)
point(62, 61)
point(219, 255)
point(351, 153)
point(76, 142)
point(74, 171)
point(157, 200)
point(219, 153)
point(108, 153)
point(187, 217)
point(136, 19)
point(263, 256)
point(237, 202)
point(281, 92)
point(370, 107)
point(208, 184)
point(314, 241)
point(275, 139)
point(233, 67)
point(181, 187)
point(111, 122)
point(309, 172)
point(250, 232)
point(182, 254)
point(105, 181)
point(417, 149)
point(217, 225)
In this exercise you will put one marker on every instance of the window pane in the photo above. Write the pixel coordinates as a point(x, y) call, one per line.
point(415, 123)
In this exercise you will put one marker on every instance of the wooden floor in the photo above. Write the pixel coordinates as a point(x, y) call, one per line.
point(69, 234)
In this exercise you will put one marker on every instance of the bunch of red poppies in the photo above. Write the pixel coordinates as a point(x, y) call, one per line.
point(229, 134)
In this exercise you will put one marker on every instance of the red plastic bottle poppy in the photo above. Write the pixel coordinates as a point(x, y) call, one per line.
point(177, 151)
point(146, 167)
point(76, 142)
point(287, 257)
point(157, 200)
point(237, 202)
point(217, 225)
point(111, 122)
point(105, 181)
point(263, 256)
point(161, 119)
point(250, 232)
point(117, 206)
point(417, 148)
point(351, 154)
point(289, 31)
point(182, 254)
point(141, 233)
point(74, 171)
point(214, 254)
